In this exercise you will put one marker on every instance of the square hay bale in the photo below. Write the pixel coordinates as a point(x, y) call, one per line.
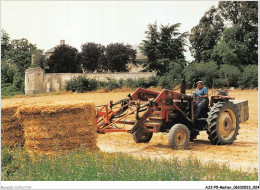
point(12, 133)
point(53, 128)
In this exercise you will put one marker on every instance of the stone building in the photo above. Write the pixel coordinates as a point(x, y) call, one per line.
point(34, 78)
point(49, 52)
point(37, 81)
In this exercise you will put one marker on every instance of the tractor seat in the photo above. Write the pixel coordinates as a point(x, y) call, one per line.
point(204, 112)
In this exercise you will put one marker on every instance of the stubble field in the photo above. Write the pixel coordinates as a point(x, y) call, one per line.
point(243, 153)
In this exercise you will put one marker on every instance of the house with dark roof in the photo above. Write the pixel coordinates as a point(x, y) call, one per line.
point(49, 52)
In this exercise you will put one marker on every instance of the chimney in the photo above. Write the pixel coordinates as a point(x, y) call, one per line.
point(62, 42)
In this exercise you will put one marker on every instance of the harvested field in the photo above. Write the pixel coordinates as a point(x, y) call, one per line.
point(242, 154)
point(59, 127)
point(11, 129)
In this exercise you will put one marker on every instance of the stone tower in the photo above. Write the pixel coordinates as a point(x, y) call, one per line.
point(33, 80)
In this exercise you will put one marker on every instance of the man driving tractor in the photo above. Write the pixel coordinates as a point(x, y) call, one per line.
point(172, 112)
point(201, 94)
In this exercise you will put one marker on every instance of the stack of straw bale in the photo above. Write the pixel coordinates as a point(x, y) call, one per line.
point(11, 129)
point(58, 128)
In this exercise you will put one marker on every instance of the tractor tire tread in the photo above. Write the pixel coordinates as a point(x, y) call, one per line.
point(173, 131)
point(212, 131)
point(138, 139)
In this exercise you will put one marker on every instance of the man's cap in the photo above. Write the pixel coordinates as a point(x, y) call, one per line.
point(199, 82)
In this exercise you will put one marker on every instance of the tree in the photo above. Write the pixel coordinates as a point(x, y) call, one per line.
point(39, 59)
point(206, 35)
point(239, 12)
point(243, 16)
point(237, 43)
point(174, 75)
point(150, 48)
point(7, 69)
point(93, 57)
point(21, 54)
point(65, 59)
point(7, 72)
point(249, 77)
point(229, 50)
point(171, 42)
point(163, 46)
point(16, 59)
point(118, 56)
point(5, 44)
point(228, 76)
point(205, 71)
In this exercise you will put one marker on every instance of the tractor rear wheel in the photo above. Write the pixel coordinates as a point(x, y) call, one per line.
point(223, 123)
point(179, 136)
point(141, 135)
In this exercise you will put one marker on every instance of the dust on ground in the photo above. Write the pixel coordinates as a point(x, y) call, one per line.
point(243, 153)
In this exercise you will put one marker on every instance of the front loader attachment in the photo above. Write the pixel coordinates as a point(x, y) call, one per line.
point(144, 108)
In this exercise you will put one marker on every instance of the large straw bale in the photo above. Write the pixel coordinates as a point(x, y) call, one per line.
point(58, 127)
point(11, 129)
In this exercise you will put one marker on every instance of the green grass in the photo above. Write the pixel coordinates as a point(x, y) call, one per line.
point(98, 166)
point(11, 94)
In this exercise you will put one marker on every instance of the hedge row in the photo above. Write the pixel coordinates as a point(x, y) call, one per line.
point(222, 76)
point(82, 84)
point(226, 76)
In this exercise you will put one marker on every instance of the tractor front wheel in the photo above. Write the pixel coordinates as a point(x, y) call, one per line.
point(179, 136)
point(141, 135)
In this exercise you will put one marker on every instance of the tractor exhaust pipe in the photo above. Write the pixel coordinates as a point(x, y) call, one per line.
point(183, 86)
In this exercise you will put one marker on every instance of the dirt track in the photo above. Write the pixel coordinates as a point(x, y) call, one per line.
point(242, 154)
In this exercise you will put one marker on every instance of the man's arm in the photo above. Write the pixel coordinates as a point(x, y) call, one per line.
point(206, 94)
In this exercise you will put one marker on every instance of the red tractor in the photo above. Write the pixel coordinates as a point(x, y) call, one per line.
point(149, 112)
